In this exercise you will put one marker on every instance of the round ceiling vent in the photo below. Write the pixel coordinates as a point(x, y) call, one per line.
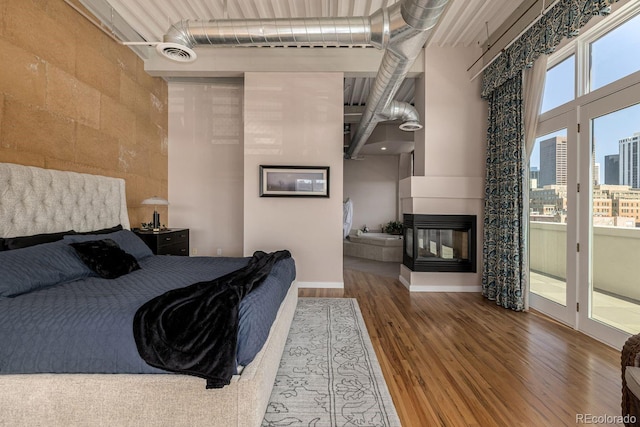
point(410, 126)
point(176, 52)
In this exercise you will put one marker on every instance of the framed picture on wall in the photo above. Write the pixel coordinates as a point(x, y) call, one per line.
point(294, 181)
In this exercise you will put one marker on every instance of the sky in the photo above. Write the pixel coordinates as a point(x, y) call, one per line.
point(613, 56)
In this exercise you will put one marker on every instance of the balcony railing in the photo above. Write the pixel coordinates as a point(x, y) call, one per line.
point(615, 271)
point(615, 262)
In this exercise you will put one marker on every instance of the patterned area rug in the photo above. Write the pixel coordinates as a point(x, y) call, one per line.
point(329, 374)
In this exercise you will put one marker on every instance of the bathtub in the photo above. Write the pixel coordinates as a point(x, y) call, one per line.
point(376, 236)
point(375, 246)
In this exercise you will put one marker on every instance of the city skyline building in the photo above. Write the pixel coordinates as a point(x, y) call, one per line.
point(629, 151)
point(615, 199)
point(553, 161)
point(612, 205)
point(534, 177)
point(612, 169)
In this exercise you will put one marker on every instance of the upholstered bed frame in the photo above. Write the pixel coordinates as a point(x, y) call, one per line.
point(33, 201)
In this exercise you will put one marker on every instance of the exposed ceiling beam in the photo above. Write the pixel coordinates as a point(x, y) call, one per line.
point(233, 62)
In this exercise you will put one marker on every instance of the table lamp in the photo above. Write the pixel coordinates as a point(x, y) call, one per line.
point(155, 201)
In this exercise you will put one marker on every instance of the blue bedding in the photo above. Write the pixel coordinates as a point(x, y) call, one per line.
point(84, 324)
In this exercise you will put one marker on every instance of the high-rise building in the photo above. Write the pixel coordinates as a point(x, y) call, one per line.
point(630, 160)
point(534, 174)
point(612, 169)
point(553, 161)
point(596, 173)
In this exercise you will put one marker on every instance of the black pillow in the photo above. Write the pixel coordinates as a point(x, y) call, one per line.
point(10, 243)
point(106, 258)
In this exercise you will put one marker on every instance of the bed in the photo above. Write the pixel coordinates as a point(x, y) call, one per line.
point(36, 201)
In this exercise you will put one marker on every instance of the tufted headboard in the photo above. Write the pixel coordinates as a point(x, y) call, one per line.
point(35, 200)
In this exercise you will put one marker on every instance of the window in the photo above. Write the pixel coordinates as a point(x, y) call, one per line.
point(614, 55)
point(577, 252)
point(559, 85)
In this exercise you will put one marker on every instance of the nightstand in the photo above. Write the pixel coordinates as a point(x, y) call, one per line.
point(172, 241)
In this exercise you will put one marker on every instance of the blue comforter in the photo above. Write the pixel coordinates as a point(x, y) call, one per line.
point(85, 325)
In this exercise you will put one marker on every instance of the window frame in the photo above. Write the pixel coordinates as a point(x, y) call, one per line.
point(626, 13)
point(556, 59)
point(620, 93)
point(580, 47)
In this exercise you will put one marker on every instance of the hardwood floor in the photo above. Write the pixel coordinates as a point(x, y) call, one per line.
point(457, 359)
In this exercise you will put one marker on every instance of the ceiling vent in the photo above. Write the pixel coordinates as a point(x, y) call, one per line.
point(176, 52)
point(410, 126)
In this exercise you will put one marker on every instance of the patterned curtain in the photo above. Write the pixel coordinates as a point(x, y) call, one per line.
point(503, 273)
point(505, 269)
point(564, 19)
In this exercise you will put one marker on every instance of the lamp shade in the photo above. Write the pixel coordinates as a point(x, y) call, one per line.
point(155, 200)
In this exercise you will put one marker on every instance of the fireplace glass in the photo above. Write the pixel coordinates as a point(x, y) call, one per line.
point(441, 243)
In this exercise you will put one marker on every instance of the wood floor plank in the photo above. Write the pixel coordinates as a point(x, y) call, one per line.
point(457, 359)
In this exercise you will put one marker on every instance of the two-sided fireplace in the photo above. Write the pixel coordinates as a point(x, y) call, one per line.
point(440, 243)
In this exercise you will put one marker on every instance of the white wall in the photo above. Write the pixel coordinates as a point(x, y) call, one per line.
point(449, 156)
point(206, 164)
point(372, 185)
point(295, 119)
point(455, 115)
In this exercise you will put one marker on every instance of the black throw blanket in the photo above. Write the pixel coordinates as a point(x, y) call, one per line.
point(194, 330)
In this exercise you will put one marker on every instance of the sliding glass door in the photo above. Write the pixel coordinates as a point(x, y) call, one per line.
point(551, 214)
point(584, 228)
point(610, 294)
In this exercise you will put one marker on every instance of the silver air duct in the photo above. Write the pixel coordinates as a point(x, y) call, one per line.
point(349, 31)
point(405, 44)
point(402, 30)
point(397, 110)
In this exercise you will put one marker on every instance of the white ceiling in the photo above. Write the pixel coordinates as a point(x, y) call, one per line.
point(465, 23)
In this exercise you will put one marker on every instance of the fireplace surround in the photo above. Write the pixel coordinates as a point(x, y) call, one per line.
point(440, 243)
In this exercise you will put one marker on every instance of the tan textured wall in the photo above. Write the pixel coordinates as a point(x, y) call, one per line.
point(71, 98)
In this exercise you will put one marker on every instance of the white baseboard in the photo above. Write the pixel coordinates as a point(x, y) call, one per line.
point(404, 282)
point(437, 288)
point(321, 285)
